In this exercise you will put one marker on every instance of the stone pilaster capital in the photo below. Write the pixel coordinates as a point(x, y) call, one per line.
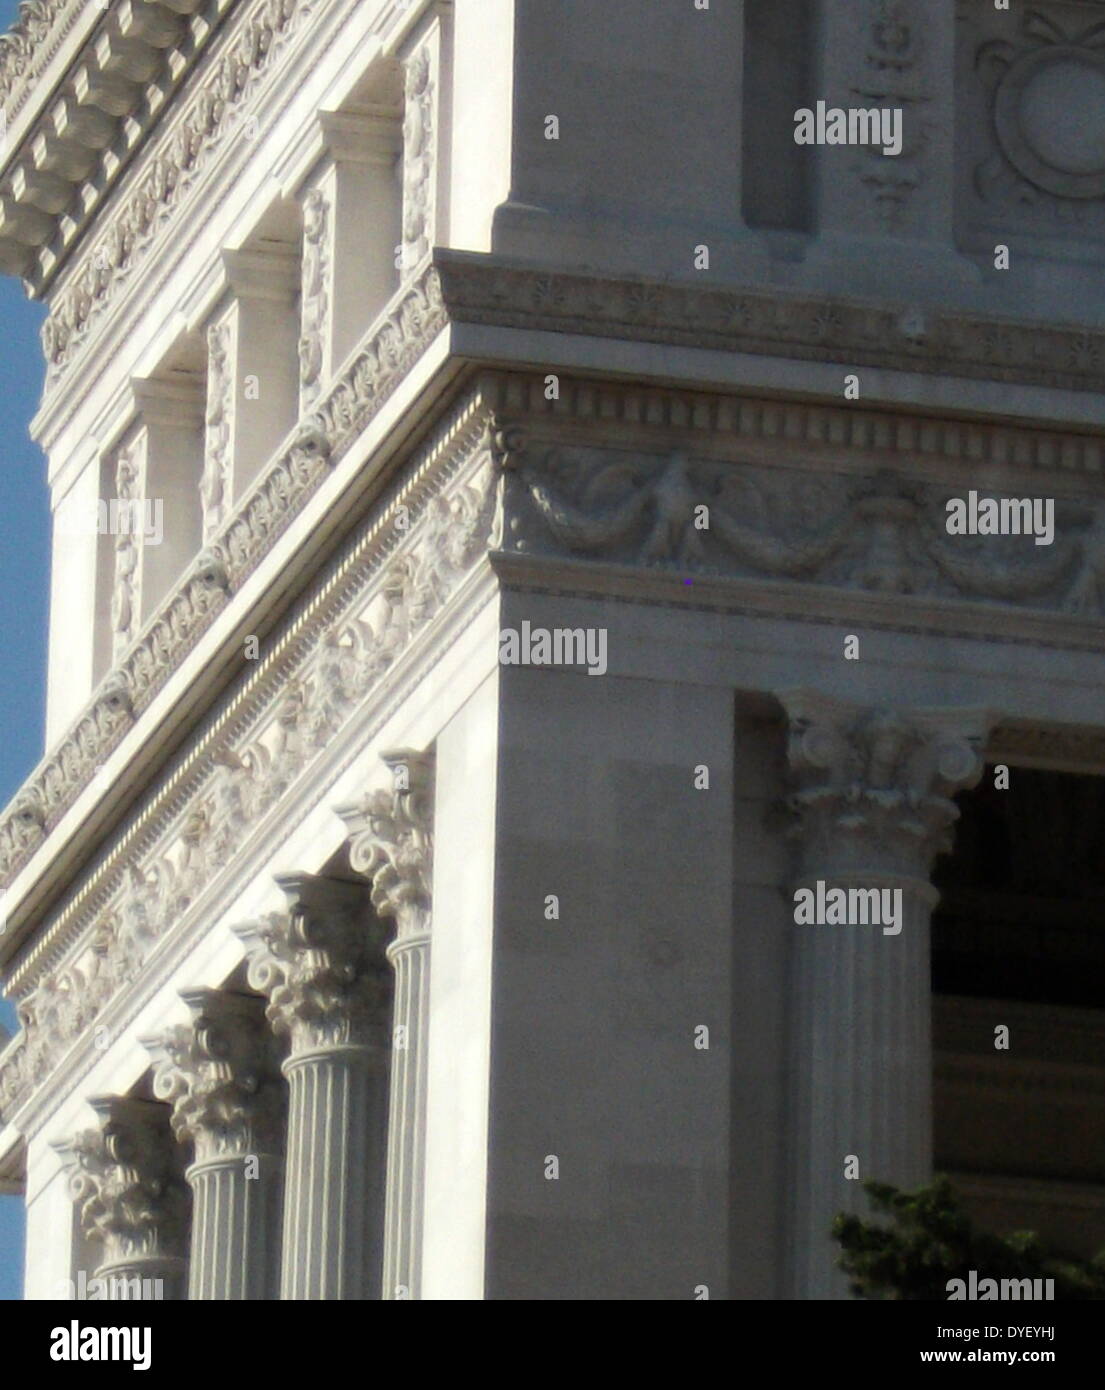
point(392, 841)
point(872, 787)
point(320, 963)
point(220, 1074)
point(126, 1180)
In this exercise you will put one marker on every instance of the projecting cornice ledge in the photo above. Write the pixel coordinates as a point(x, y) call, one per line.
point(771, 323)
point(81, 85)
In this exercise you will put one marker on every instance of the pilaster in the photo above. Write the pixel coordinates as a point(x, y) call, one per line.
point(252, 387)
point(351, 232)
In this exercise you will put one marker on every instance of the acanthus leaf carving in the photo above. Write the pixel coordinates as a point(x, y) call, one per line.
point(321, 965)
point(391, 842)
point(872, 787)
point(126, 1181)
point(219, 1072)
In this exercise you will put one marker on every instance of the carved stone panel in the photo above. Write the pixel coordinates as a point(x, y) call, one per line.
point(1031, 116)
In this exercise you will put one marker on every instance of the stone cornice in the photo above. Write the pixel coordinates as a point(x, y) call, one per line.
point(70, 149)
point(771, 323)
point(234, 83)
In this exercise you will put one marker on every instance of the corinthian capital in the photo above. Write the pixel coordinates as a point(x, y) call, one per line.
point(126, 1182)
point(392, 842)
point(873, 787)
point(220, 1075)
point(321, 964)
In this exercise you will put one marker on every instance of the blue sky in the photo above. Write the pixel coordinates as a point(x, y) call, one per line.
point(24, 552)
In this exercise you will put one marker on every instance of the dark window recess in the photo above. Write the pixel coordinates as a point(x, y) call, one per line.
point(777, 174)
point(1022, 896)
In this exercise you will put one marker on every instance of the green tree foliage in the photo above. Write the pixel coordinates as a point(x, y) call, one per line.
point(919, 1240)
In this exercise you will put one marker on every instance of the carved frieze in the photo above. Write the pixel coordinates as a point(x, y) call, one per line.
point(216, 483)
point(125, 598)
point(885, 534)
point(315, 296)
point(175, 162)
point(419, 148)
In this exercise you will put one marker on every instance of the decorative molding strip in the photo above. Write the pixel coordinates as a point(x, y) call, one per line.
point(404, 331)
point(777, 323)
point(352, 628)
point(169, 168)
point(27, 48)
point(825, 429)
point(131, 58)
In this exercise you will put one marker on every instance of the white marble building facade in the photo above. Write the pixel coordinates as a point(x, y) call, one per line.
point(352, 962)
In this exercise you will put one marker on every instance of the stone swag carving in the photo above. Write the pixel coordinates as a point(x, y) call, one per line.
point(885, 534)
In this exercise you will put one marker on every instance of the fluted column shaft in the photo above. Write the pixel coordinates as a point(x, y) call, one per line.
point(873, 800)
point(407, 1118)
point(322, 965)
point(235, 1228)
point(219, 1073)
point(337, 1101)
point(391, 844)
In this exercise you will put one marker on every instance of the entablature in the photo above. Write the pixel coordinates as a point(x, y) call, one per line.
point(583, 485)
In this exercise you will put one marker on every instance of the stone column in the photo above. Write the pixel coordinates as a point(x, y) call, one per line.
point(221, 1076)
point(321, 964)
point(130, 1194)
point(391, 843)
point(872, 794)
